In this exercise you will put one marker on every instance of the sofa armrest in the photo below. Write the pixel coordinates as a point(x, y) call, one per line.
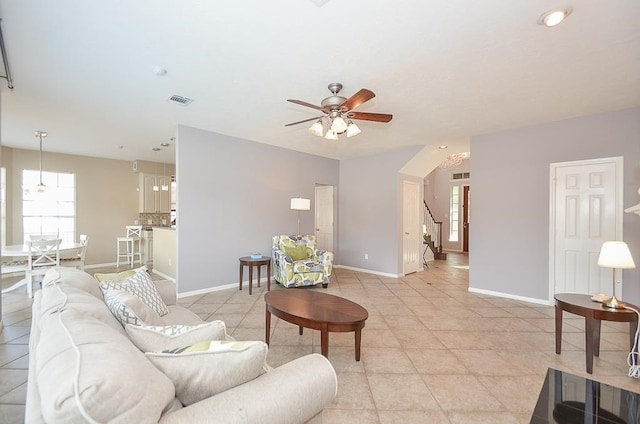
point(167, 291)
point(290, 394)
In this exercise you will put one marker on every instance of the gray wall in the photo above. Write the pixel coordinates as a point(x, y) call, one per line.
point(233, 196)
point(370, 222)
point(509, 241)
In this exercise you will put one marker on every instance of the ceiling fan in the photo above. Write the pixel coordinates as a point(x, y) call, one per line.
point(338, 113)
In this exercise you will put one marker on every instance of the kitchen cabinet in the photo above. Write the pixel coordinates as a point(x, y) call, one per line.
point(151, 201)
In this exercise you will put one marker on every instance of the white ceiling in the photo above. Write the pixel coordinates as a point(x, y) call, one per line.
point(446, 70)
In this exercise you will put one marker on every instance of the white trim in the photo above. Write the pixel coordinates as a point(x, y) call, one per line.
point(512, 296)
point(218, 288)
point(619, 163)
point(368, 271)
point(165, 276)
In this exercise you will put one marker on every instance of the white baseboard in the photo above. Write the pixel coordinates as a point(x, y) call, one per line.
point(163, 275)
point(245, 286)
point(368, 271)
point(511, 296)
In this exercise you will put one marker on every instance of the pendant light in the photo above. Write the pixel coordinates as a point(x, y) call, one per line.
point(41, 187)
point(156, 187)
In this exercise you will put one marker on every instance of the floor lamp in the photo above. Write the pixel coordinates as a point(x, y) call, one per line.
point(615, 254)
point(300, 204)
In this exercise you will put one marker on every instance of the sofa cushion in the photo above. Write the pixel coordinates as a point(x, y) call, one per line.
point(207, 368)
point(115, 276)
point(85, 368)
point(141, 285)
point(155, 338)
point(129, 309)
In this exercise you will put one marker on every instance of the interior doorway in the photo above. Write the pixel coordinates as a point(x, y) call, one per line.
point(324, 217)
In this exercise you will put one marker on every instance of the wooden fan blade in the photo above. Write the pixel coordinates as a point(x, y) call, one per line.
point(377, 117)
point(300, 102)
point(306, 120)
point(357, 99)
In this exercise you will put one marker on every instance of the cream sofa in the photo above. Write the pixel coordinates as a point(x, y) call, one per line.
point(84, 368)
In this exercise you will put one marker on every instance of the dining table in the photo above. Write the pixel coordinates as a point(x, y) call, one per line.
point(23, 251)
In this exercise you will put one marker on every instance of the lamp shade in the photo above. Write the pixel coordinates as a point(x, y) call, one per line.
point(615, 254)
point(300, 204)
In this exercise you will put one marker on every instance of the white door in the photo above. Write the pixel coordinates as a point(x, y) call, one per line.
point(324, 218)
point(586, 210)
point(410, 226)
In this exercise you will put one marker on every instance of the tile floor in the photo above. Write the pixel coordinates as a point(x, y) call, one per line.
point(431, 351)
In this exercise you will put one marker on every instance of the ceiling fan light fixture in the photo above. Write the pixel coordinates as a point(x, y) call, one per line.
point(317, 128)
point(331, 135)
point(352, 129)
point(338, 125)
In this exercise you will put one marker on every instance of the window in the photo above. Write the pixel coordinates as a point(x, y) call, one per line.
point(454, 214)
point(52, 211)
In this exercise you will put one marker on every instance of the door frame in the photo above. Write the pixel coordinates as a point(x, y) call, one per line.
point(465, 218)
point(415, 186)
point(618, 161)
point(333, 212)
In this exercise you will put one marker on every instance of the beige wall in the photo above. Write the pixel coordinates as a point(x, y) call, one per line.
point(106, 196)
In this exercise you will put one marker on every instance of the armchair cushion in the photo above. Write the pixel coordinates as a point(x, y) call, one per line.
point(298, 253)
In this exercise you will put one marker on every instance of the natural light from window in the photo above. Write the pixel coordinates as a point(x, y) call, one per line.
point(454, 208)
point(52, 211)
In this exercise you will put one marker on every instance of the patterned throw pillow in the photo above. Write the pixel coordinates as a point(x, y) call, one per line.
point(155, 339)
point(128, 309)
point(140, 284)
point(207, 368)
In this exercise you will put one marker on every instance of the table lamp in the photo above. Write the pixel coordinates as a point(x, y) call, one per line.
point(615, 254)
point(300, 204)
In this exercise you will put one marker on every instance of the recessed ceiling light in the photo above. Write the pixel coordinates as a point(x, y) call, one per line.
point(443, 147)
point(554, 17)
point(164, 144)
point(156, 149)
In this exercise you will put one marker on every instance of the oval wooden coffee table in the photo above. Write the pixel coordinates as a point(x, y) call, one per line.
point(318, 311)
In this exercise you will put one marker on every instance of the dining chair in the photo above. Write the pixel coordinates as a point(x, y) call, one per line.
point(132, 245)
point(43, 255)
point(76, 258)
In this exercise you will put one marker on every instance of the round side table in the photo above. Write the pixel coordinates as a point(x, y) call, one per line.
point(258, 263)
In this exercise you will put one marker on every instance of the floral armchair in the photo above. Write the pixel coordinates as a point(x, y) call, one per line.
point(298, 263)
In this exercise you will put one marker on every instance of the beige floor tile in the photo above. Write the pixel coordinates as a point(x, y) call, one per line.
point(436, 361)
point(479, 417)
point(461, 393)
point(411, 339)
point(353, 392)
point(343, 360)
point(387, 360)
point(412, 417)
point(401, 392)
point(16, 396)
point(370, 338)
point(350, 416)
point(485, 362)
point(12, 414)
point(11, 379)
point(517, 394)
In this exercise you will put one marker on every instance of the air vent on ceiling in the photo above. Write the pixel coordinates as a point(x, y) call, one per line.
point(184, 101)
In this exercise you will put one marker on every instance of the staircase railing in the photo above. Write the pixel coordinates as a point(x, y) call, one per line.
point(433, 235)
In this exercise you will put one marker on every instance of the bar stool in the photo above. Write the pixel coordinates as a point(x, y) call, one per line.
point(132, 245)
